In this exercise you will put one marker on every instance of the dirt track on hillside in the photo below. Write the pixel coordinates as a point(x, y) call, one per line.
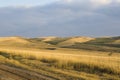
point(11, 73)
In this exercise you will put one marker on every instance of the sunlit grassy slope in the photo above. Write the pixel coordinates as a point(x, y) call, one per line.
point(111, 44)
point(77, 61)
point(19, 42)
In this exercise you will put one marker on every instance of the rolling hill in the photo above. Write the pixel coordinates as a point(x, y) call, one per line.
point(59, 58)
point(19, 42)
point(13, 40)
point(109, 44)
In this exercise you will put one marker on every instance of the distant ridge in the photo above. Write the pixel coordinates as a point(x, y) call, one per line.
point(49, 38)
point(74, 40)
point(51, 42)
point(13, 39)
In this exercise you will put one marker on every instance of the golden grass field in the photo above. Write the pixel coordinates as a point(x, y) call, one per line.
point(63, 63)
point(81, 63)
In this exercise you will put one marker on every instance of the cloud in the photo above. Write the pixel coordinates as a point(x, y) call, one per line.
point(118, 1)
point(73, 17)
point(68, 1)
point(101, 2)
point(96, 3)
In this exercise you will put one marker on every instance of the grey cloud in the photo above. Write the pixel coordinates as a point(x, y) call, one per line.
point(60, 19)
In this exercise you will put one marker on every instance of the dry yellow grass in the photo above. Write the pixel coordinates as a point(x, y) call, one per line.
point(13, 39)
point(50, 38)
point(65, 63)
point(81, 39)
point(117, 42)
point(76, 40)
point(78, 62)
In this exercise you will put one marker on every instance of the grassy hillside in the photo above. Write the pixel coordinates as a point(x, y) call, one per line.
point(57, 40)
point(111, 44)
point(80, 58)
point(19, 42)
point(63, 64)
point(73, 40)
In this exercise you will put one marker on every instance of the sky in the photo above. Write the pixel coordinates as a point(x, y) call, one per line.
point(36, 18)
point(5, 3)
